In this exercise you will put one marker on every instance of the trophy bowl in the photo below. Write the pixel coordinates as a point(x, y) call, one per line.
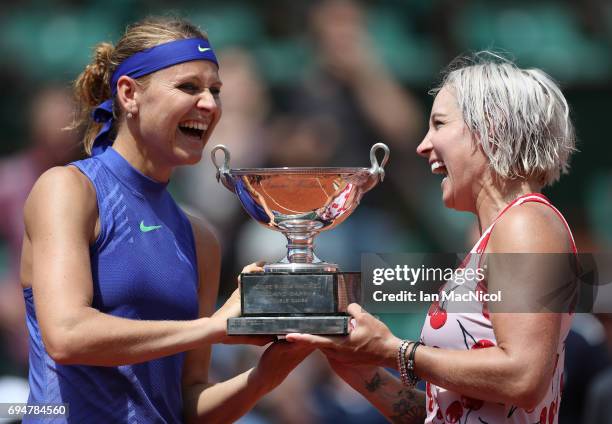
point(300, 202)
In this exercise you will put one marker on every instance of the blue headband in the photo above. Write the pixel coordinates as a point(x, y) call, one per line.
point(144, 63)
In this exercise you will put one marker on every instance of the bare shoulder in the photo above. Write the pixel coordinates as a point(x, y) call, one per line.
point(61, 191)
point(208, 254)
point(204, 234)
point(532, 227)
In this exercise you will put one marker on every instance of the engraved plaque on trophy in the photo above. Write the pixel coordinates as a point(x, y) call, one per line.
point(300, 293)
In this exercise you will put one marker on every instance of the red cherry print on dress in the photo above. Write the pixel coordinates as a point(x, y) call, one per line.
point(482, 344)
point(454, 412)
point(429, 397)
point(437, 316)
point(334, 205)
point(543, 416)
point(471, 403)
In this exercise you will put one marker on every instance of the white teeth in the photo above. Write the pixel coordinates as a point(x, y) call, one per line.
point(436, 165)
point(197, 125)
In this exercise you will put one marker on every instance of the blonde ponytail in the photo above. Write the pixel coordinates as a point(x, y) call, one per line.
point(91, 88)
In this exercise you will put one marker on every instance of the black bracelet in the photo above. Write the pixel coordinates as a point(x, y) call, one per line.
point(410, 365)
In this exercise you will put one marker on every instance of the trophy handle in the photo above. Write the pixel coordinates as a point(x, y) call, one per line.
point(223, 171)
point(378, 169)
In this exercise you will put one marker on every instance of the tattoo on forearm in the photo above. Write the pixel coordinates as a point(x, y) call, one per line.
point(406, 406)
point(375, 383)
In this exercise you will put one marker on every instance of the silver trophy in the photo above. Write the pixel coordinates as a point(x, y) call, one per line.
point(300, 293)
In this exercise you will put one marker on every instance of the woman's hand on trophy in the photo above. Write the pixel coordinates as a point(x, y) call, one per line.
point(231, 309)
point(254, 267)
point(369, 342)
point(277, 362)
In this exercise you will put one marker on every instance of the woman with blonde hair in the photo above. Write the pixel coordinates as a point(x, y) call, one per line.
point(497, 134)
point(120, 285)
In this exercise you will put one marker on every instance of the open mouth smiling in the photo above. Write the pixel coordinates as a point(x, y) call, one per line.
point(193, 128)
point(438, 168)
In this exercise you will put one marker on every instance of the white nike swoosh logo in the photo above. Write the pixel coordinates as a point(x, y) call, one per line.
point(203, 49)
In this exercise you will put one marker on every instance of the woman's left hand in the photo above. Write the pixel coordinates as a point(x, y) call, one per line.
point(369, 342)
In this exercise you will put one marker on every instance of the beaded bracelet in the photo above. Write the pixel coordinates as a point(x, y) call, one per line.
point(401, 361)
point(406, 367)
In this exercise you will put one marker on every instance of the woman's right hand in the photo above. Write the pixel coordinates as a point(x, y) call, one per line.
point(369, 342)
point(231, 309)
point(344, 370)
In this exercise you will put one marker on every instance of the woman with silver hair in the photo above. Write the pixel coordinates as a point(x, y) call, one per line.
point(498, 134)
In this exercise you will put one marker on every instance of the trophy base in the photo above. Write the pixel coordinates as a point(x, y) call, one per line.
point(277, 303)
point(324, 325)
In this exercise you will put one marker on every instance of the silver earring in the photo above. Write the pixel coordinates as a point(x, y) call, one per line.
point(129, 115)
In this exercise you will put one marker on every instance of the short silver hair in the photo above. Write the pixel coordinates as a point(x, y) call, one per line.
point(520, 116)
